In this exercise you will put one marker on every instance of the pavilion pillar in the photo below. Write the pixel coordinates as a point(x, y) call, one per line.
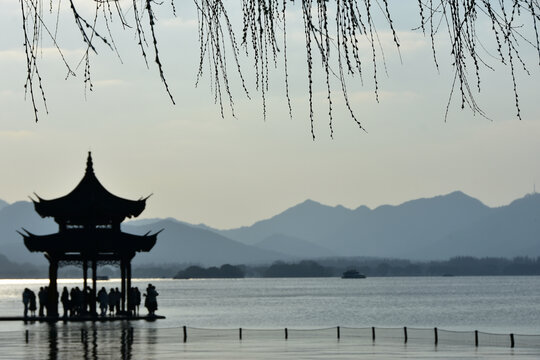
point(52, 291)
point(85, 273)
point(94, 281)
point(128, 285)
point(85, 284)
point(123, 289)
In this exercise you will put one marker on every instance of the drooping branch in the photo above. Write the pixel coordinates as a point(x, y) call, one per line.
point(336, 32)
point(34, 28)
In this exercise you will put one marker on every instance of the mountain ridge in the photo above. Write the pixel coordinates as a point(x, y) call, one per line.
point(439, 227)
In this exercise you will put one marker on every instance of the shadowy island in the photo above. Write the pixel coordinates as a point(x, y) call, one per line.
point(306, 268)
point(226, 271)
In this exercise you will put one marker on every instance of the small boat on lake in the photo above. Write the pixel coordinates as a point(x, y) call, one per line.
point(352, 274)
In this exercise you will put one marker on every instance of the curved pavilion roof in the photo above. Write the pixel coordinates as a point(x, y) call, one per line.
point(97, 241)
point(89, 202)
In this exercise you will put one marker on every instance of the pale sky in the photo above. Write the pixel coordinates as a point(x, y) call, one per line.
point(234, 171)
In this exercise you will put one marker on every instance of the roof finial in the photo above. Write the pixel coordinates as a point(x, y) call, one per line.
point(89, 164)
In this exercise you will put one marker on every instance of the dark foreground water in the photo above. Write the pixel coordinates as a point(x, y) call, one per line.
point(311, 310)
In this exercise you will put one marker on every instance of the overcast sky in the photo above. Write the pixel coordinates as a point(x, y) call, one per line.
point(230, 172)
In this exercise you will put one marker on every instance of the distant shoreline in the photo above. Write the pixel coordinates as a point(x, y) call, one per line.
point(70, 279)
point(328, 267)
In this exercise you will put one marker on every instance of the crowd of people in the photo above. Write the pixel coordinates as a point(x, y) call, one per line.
point(78, 302)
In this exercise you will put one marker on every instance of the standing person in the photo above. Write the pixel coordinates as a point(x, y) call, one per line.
point(151, 299)
point(26, 300)
point(42, 297)
point(111, 301)
point(137, 299)
point(80, 300)
point(103, 300)
point(32, 307)
point(72, 301)
point(64, 299)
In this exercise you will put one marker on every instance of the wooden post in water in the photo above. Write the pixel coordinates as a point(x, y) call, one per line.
point(286, 334)
point(405, 334)
point(436, 336)
point(26, 336)
point(512, 343)
point(338, 334)
point(240, 333)
point(373, 333)
point(185, 334)
point(476, 338)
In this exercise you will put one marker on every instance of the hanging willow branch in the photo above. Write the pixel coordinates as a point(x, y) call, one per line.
point(337, 32)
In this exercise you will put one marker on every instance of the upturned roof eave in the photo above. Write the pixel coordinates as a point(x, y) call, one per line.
point(75, 241)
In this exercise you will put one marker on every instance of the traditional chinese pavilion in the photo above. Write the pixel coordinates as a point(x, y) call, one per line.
point(89, 234)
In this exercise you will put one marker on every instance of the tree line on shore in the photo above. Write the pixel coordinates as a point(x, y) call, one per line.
point(329, 267)
point(457, 266)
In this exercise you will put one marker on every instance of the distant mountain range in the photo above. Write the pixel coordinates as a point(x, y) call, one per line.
point(433, 228)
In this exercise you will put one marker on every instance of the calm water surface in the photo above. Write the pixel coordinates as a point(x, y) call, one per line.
point(491, 304)
point(500, 305)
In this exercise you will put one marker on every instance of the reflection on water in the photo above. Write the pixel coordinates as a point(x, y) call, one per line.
point(500, 305)
point(53, 341)
point(90, 340)
point(86, 341)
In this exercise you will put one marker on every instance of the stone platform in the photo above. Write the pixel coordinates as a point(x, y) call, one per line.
point(51, 319)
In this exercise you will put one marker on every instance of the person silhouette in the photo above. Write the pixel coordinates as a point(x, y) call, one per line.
point(42, 297)
point(111, 300)
point(26, 300)
point(151, 299)
point(32, 306)
point(64, 299)
point(137, 299)
point(103, 300)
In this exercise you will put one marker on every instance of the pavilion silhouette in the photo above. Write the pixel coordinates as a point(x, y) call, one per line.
point(89, 234)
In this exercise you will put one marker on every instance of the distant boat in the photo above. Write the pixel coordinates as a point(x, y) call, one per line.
point(102, 277)
point(352, 274)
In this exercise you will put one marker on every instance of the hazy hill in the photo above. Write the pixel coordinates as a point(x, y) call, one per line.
point(178, 243)
point(432, 228)
point(15, 217)
point(3, 204)
point(309, 220)
point(508, 231)
point(10, 269)
point(181, 243)
point(295, 247)
point(408, 230)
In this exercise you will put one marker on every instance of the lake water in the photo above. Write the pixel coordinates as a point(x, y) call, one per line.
point(310, 308)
